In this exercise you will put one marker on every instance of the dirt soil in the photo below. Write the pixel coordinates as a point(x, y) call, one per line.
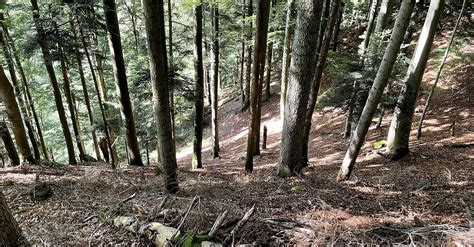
point(414, 200)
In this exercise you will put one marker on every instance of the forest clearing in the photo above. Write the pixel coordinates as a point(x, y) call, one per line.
point(156, 136)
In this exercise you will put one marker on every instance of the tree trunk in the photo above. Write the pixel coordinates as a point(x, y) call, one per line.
point(16, 88)
point(171, 65)
point(86, 94)
point(67, 93)
point(383, 74)
point(115, 45)
point(318, 74)
point(10, 232)
point(215, 79)
point(370, 25)
point(299, 85)
point(324, 22)
point(29, 99)
point(438, 74)
point(337, 29)
point(156, 41)
point(383, 15)
point(101, 104)
point(13, 111)
point(199, 87)
point(253, 146)
point(54, 82)
point(248, 69)
point(242, 61)
point(268, 92)
point(8, 143)
point(399, 132)
point(286, 57)
point(133, 18)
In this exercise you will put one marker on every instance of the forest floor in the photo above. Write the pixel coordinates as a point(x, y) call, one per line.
point(414, 200)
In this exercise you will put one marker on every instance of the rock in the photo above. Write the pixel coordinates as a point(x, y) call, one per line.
point(41, 192)
point(210, 244)
point(162, 234)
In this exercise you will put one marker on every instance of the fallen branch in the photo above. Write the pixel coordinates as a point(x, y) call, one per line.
point(188, 209)
point(240, 224)
point(217, 224)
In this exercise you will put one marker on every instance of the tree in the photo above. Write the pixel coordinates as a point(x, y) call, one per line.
point(8, 143)
point(248, 65)
point(156, 42)
point(199, 87)
point(29, 99)
point(390, 56)
point(318, 74)
point(115, 46)
point(253, 139)
point(338, 27)
point(286, 58)
point(215, 79)
point(399, 132)
point(7, 95)
point(16, 88)
point(370, 25)
point(438, 73)
point(10, 232)
point(54, 82)
point(302, 67)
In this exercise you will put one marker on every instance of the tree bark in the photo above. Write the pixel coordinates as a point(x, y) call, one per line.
point(13, 111)
point(67, 93)
point(248, 69)
point(375, 94)
point(253, 145)
point(302, 67)
point(156, 42)
point(286, 57)
point(399, 132)
point(318, 74)
point(8, 143)
point(10, 232)
point(383, 15)
point(370, 25)
point(199, 87)
point(268, 92)
point(16, 88)
point(242, 61)
point(215, 79)
point(85, 92)
point(337, 29)
point(27, 92)
point(438, 74)
point(171, 65)
point(54, 82)
point(101, 104)
point(115, 45)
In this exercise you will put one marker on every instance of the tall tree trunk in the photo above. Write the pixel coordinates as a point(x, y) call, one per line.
point(171, 66)
point(375, 94)
point(115, 45)
point(438, 74)
point(85, 91)
point(10, 232)
point(301, 70)
point(133, 19)
point(248, 69)
point(101, 104)
point(199, 87)
point(337, 29)
point(399, 132)
point(268, 92)
point(16, 88)
point(286, 58)
point(156, 41)
point(324, 22)
point(384, 14)
point(370, 25)
point(54, 82)
point(263, 16)
point(67, 93)
point(8, 143)
point(242, 61)
point(215, 79)
point(13, 111)
point(318, 74)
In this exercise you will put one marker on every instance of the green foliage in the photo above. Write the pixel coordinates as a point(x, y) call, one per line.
point(194, 240)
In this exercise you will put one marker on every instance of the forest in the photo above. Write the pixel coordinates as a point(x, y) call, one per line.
point(236, 123)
